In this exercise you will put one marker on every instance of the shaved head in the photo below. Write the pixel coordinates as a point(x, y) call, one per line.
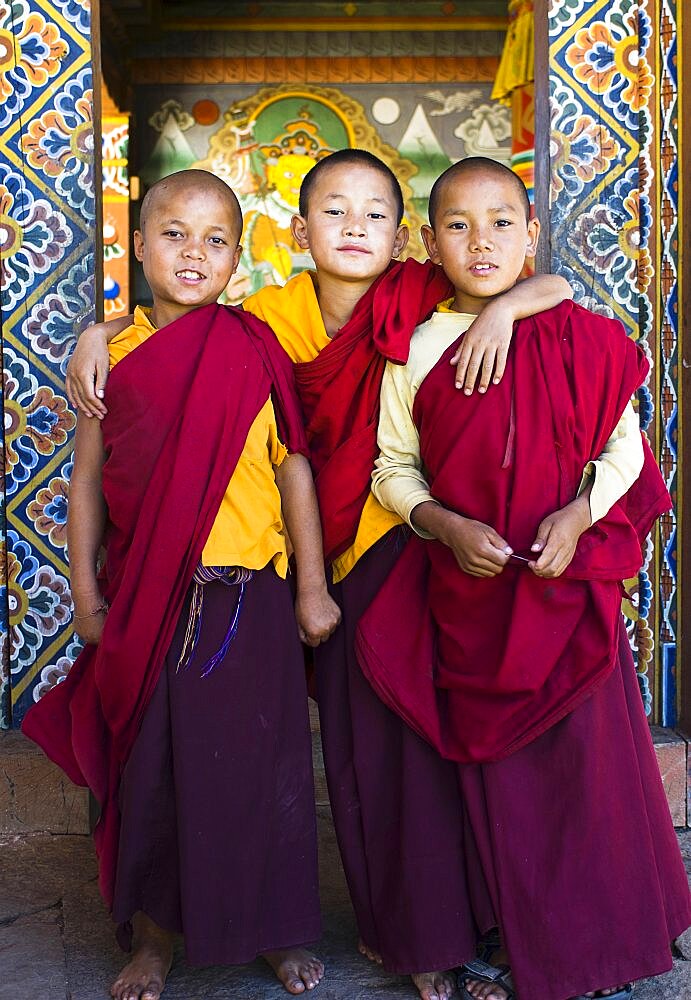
point(356, 158)
point(476, 165)
point(195, 182)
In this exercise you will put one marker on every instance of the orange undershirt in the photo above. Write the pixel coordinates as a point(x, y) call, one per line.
point(293, 314)
point(248, 530)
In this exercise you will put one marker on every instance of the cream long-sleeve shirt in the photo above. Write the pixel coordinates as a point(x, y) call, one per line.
point(399, 482)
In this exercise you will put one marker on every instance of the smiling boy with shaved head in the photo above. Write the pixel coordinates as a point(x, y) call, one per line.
point(185, 714)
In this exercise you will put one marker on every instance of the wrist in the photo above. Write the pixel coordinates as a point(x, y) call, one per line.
point(502, 306)
point(313, 586)
point(436, 520)
point(582, 507)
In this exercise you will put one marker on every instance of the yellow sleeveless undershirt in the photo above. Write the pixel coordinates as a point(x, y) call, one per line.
point(248, 530)
point(293, 313)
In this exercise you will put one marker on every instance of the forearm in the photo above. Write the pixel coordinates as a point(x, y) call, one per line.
point(432, 520)
point(534, 295)
point(402, 489)
point(301, 517)
point(86, 511)
point(106, 331)
point(398, 480)
point(86, 521)
point(616, 469)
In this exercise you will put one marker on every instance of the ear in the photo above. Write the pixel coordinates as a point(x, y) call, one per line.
point(236, 258)
point(138, 242)
point(298, 227)
point(533, 237)
point(401, 241)
point(430, 241)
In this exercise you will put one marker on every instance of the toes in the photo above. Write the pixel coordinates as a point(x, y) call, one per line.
point(295, 985)
point(434, 986)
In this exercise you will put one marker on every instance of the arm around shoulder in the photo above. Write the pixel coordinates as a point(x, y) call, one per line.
point(87, 371)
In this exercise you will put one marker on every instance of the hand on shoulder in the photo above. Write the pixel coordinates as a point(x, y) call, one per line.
point(87, 371)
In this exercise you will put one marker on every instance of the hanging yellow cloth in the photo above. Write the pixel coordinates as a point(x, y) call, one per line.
point(516, 67)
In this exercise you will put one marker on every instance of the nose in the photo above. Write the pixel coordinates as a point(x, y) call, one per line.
point(481, 238)
point(354, 227)
point(194, 249)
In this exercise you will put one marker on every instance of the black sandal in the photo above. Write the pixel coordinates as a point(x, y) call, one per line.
point(483, 972)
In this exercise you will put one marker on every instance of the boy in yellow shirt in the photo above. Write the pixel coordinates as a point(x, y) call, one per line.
point(186, 712)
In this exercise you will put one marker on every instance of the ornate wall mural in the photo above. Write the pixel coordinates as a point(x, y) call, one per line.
point(46, 295)
point(603, 157)
point(264, 143)
point(115, 130)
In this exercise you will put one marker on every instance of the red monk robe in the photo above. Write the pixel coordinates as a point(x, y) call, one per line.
point(479, 667)
point(568, 818)
point(172, 442)
point(339, 391)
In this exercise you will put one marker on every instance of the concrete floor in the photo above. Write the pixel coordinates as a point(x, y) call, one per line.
point(56, 940)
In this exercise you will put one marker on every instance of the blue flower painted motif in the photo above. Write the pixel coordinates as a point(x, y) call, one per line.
point(60, 143)
point(581, 148)
point(608, 59)
point(48, 509)
point(38, 599)
point(31, 52)
point(607, 238)
point(77, 12)
point(53, 324)
point(36, 421)
point(34, 236)
point(55, 673)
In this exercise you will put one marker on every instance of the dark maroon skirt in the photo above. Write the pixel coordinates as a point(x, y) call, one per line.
point(218, 836)
point(395, 802)
point(576, 844)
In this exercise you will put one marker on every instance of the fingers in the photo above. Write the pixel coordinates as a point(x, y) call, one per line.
point(489, 562)
point(500, 363)
point(461, 359)
point(555, 555)
point(471, 368)
point(83, 399)
point(313, 632)
point(552, 563)
point(101, 378)
point(488, 366)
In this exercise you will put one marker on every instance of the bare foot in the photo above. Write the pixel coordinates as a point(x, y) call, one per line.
point(434, 985)
point(296, 968)
point(144, 976)
point(491, 991)
point(485, 991)
point(368, 952)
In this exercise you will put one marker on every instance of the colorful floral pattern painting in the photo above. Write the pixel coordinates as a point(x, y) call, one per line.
point(601, 156)
point(47, 296)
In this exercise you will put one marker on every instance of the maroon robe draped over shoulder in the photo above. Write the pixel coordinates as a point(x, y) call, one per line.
point(339, 391)
point(480, 667)
point(180, 407)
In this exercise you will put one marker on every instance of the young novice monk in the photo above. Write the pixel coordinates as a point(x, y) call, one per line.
point(502, 640)
point(186, 712)
point(394, 800)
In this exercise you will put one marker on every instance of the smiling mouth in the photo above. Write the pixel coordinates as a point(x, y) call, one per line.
point(189, 275)
point(482, 268)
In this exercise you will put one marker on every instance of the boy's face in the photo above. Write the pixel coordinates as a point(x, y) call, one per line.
point(480, 237)
point(351, 228)
point(189, 249)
